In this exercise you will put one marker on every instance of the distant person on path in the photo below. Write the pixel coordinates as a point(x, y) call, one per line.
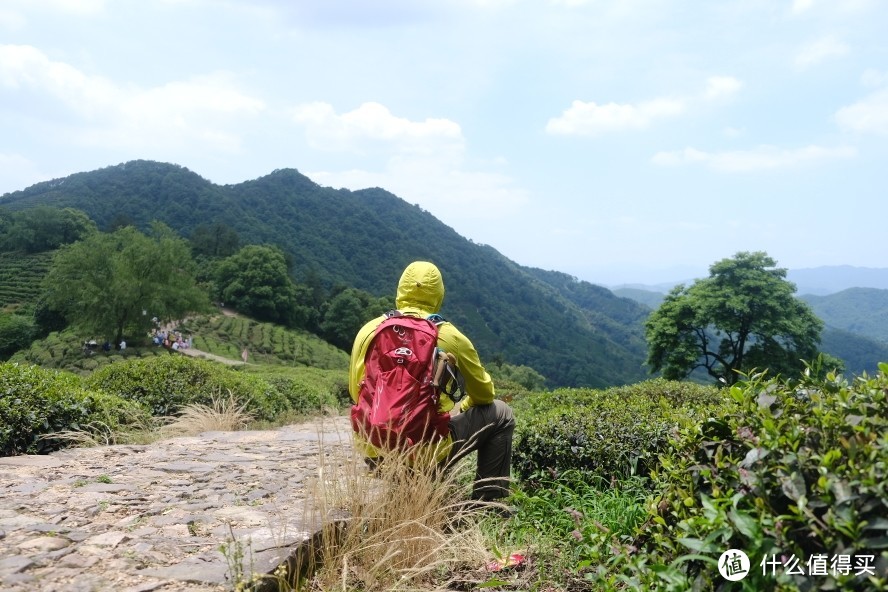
point(244, 355)
point(480, 422)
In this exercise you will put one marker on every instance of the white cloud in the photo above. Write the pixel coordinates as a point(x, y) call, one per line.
point(869, 115)
point(325, 129)
point(18, 171)
point(589, 119)
point(873, 78)
point(26, 67)
point(758, 159)
point(719, 87)
point(421, 161)
point(12, 20)
point(198, 110)
point(77, 6)
point(800, 6)
point(820, 50)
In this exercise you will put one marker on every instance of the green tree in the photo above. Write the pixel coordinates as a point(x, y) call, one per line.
point(214, 240)
point(113, 284)
point(44, 228)
point(743, 316)
point(16, 332)
point(255, 281)
point(347, 312)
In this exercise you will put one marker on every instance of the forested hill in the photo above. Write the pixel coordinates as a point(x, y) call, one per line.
point(572, 332)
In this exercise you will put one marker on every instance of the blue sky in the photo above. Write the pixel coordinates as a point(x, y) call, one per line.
point(618, 141)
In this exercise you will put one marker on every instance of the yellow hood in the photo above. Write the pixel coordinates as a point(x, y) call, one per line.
point(421, 286)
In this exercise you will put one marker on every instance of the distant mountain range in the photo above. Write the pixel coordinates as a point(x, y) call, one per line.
point(818, 281)
point(572, 332)
point(855, 323)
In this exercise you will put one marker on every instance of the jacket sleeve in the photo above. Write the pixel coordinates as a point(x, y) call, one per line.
point(479, 385)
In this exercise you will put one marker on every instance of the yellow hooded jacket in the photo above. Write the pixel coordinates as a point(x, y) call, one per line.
point(420, 293)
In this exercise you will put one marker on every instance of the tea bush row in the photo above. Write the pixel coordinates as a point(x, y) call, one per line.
point(795, 469)
point(37, 402)
point(165, 383)
point(608, 433)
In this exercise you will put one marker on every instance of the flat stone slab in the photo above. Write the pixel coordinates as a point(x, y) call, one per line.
point(153, 517)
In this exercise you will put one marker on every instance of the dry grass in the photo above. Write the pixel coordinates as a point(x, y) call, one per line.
point(407, 527)
point(224, 415)
point(137, 428)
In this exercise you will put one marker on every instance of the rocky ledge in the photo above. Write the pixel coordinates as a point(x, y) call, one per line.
point(179, 514)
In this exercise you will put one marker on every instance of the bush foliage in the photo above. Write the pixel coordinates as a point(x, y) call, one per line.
point(166, 383)
point(609, 433)
point(792, 470)
point(36, 402)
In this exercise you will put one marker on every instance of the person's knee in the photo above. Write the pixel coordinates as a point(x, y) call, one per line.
point(504, 414)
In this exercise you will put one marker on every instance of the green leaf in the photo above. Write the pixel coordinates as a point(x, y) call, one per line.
point(492, 583)
point(753, 456)
point(793, 486)
point(875, 543)
point(745, 523)
point(697, 545)
point(765, 400)
point(876, 524)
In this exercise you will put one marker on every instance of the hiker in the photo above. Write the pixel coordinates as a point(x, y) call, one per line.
point(479, 422)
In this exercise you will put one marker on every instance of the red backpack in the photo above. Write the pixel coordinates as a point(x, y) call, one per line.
point(398, 399)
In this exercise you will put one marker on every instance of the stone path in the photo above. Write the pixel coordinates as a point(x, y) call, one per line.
point(143, 518)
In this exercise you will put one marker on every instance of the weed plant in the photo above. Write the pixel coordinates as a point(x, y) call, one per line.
point(224, 414)
point(397, 527)
point(568, 526)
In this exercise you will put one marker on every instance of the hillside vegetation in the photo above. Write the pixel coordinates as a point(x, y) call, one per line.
point(20, 277)
point(858, 310)
point(220, 335)
point(571, 332)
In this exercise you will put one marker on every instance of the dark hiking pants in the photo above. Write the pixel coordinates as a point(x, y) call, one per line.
point(487, 429)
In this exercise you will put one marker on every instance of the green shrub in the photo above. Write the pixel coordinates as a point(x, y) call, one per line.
point(35, 402)
point(16, 332)
point(166, 383)
point(610, 433)
point(797, 469)
point(303, 396)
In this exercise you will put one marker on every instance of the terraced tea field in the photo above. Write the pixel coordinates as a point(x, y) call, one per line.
point(20, 278)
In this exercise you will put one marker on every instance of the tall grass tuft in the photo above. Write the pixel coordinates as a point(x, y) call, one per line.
point(223, 414)
point(406, 527)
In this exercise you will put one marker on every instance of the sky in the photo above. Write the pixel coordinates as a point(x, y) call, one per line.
point(619, 141)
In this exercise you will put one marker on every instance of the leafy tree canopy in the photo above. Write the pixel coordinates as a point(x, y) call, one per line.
point(256, 281)
point(43, 228)
point(743, 316)
point(214, 240)
point(346, 314)
point(113, 284)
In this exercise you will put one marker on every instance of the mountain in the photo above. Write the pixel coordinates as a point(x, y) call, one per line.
point(836, 278)
point(649, 298)
point(856, 324)
point(860, 354)
point(572, 332)
point(858, 310)
point(818, 281)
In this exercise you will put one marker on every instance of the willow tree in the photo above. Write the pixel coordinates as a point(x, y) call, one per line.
point(744, 316)
point(115, 283)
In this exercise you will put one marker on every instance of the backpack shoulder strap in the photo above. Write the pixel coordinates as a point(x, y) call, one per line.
point(436, 319)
